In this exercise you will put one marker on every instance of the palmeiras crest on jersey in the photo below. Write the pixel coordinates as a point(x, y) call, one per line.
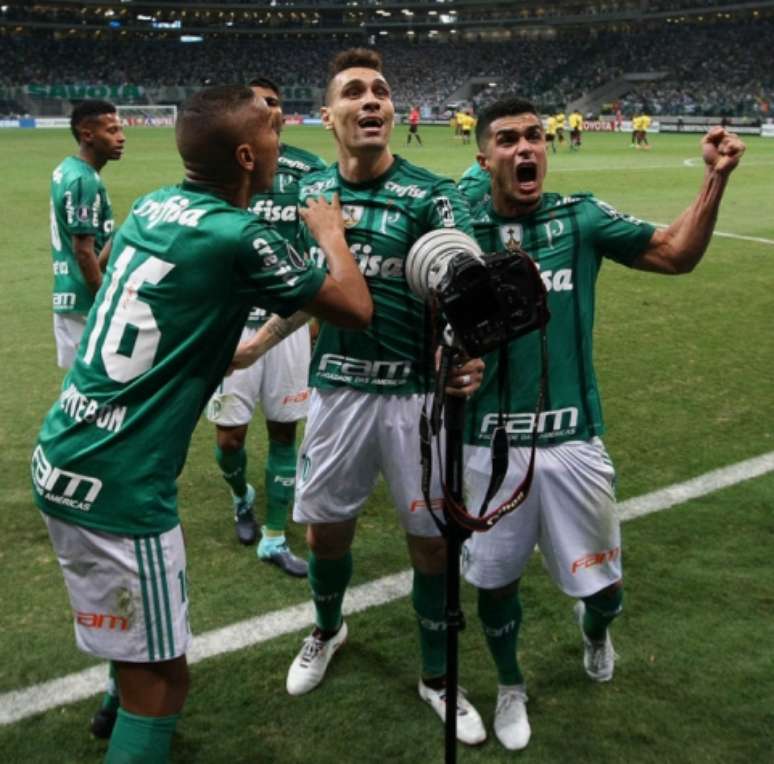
point(510, 236)
point(352, 213)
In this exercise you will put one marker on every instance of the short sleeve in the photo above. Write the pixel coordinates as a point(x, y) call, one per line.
point(83, 200)
point(273, 274)
point(445, 208)
point(617, 235)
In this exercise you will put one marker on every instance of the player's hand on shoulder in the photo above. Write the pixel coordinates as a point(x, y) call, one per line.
point(323, 218)
point(465, 377)
point(722, 150)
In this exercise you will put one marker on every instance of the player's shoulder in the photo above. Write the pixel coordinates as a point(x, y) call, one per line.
point(408, 174)
point(301, 160)
point(318, 181)
point(474, 172)
point(73, 169)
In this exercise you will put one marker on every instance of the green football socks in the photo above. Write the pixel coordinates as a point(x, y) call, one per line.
point(141, 739)
point(601, 609)
point(233, 465)
point(328, 580)
point(428, 595)
point(280, 484)
point(501, 620)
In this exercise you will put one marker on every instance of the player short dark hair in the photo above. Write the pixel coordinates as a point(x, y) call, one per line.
point(352, 57)
point(265, 82)
point(206, 130)
point(88, 111)
point(510, 106)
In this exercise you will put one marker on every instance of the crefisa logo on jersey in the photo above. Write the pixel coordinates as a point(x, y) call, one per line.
point(511, 236)
point(352, 214)
point(69, 489)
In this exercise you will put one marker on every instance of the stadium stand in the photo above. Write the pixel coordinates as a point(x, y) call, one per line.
point(498, 47)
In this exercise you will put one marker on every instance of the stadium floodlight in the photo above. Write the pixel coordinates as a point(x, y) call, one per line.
point(147, 115)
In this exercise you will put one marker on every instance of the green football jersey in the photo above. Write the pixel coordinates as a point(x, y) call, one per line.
point(567, 237)
point(279, 207)
point(475, 185)
point(184, 270)
point(383, 218)
point(79, 205)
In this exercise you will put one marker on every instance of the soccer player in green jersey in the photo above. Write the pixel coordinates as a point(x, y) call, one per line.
point(570, 511)
point(368, 386)
point(278, 380)
point(186, 267)
point(81, 220)
point(474, 184)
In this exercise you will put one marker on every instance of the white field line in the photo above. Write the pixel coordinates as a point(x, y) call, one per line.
point(726, 235)
point(20, 704)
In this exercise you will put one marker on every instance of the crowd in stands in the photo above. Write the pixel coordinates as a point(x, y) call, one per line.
point(551, 71)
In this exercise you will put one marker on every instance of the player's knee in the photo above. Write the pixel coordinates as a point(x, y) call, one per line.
point(281, 432)
point(608, 601)
point(330, 541)
point(428, 554)
point(231, 438)
point(491, 597)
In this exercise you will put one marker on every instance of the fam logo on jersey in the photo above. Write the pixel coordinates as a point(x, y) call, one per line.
point(511, 236)
point(445, 211)
point(70, 489)
point(352, 214)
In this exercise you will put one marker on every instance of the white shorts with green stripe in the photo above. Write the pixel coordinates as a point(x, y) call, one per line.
point(129, 595)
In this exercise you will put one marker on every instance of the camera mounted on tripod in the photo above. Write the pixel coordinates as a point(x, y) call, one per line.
point(488, 300)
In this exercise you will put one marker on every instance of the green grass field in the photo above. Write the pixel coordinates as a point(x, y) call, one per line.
point(685, 370)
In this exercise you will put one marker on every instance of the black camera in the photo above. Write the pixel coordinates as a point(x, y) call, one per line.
point(487, 299)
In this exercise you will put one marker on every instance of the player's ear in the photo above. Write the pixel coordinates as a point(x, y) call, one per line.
point(245, 156)
point(482, 163)
point(327, 120)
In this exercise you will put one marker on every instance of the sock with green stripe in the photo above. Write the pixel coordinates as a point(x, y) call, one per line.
point(328, 580)
point(500, 620)
point(280, 484)
point(601, 609)
point(428, 595)
point(233, 466)
point(141, 739)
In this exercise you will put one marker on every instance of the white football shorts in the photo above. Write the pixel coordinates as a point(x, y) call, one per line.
point(128, 594)
point(569, 513)
point(68, 330)
point(277, 380)
point(351, 437)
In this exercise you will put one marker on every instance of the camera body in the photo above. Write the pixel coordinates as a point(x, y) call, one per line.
point(488, 300)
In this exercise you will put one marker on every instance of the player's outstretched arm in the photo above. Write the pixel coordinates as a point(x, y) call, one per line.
point(271, 333)
point(678, 248)
point(344, 299)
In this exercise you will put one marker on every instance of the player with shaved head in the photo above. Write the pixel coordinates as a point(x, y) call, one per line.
point(186, 267)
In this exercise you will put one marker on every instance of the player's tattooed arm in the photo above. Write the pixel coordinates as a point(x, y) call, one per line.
point(270, 334)
point(83, 248)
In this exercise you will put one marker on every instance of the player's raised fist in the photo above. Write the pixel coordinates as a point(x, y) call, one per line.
point(721, 150)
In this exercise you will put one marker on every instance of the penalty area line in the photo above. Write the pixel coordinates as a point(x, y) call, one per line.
point(20, 704)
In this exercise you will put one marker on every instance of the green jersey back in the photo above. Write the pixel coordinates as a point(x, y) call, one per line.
point(279, 207)
point(475, 185)
point(383, 218)
point(567, 237)
point(184, 270)
point(79, 205)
